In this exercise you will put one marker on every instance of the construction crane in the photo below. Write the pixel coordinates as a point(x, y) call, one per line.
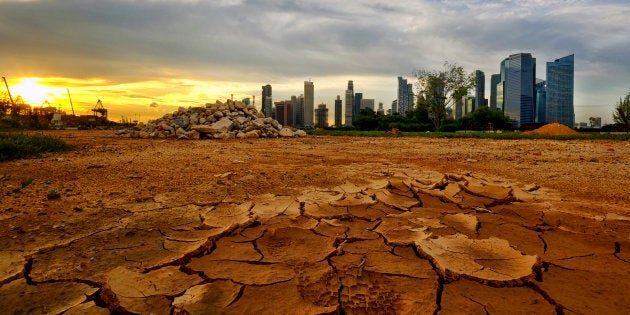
point(70, 98)
point(99, 109)
point(8, 91)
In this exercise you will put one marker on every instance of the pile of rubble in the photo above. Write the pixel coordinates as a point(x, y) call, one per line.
point(232, 119)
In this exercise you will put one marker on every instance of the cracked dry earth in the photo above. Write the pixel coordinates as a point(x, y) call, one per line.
point(310, 226)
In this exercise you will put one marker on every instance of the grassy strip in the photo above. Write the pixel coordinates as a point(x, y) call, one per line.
point(20, 145)
point(476, 135)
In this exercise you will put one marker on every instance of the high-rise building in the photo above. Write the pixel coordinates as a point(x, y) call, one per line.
point(459, 107)
point(519, 98)
point(560, 74)
point(495, 79)
point(349, 103)
point(541, 101)
point(309, 103)
point(267, 101)
point(394, 107)
point(380, 110)
point(367, 103)
point(284, 112)
point(403, 100)
point(338, 112)
point(480, 88)
point(321, 116)
point(297, 102)
point(411, 97)
point(356, 109)
point(469, 104)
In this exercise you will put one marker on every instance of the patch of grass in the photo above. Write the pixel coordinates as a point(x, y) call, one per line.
point(23, 185)
point(19, 145)
point(509, 135)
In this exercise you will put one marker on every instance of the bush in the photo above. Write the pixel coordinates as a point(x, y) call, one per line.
point(17, 146)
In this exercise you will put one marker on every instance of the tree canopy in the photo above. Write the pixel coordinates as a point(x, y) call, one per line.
point(621, 115)
point(440, 89)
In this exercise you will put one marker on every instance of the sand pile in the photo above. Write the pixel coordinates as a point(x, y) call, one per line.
point(553, 129)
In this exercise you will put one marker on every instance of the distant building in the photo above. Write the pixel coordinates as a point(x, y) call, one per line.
point(411, 98)
point(469, 104)
point(284, 112)
point(380, 110)
point(519, 98)
point(480, 88)
point(309, 103)
point(246, 101)
point(495, 80)
point(595, 122)
point(349, 103)
point(560, 77)
point(267, 101)
point(356, 109)
point(321, 116)
point(394, 107)
point(298, 111)
point(459, 107)
point(403, 101)
point(541, 101)
point(338, 112)
point(367, 103)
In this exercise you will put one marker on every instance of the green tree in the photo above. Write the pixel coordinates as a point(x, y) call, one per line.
point(621, 115)
point(440, 89)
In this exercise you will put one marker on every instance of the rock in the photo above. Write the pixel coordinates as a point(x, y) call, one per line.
point(53, 194)
point(300, 133)
point(252, 134)
point(287, 133)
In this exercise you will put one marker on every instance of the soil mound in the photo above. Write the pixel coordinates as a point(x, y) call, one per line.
point(553, 129)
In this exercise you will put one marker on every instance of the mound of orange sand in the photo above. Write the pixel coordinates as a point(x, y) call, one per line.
point(553, 129)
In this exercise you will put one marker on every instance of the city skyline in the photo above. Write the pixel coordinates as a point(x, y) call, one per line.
point(146, 58)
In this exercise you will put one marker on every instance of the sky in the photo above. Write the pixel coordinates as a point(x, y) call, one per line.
point(144, 58)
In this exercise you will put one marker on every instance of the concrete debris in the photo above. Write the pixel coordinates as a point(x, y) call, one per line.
point(229, 120)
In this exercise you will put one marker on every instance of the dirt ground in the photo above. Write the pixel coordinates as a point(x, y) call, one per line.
point(317, 225)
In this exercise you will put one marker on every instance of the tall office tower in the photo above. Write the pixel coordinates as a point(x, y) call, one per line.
point(480, 88)
point(520, 100)
point(338, 112)
point(403, 96)
point(380, 110)
point(367, 103)
point(309, 103)
point(356, 109)
point(411, 97)
point(321, 116)
point(284, 113)
point(349, 103)
point(560, 75)
point(267, 102)
point(495, 79)
point(459, 107)
point(298, 111)
point(394, 107)
point(469, 104)
point(541, 101)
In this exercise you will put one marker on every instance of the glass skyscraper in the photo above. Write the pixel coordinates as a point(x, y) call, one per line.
point(480, 89)
point(519, 95)
point(405, 90)
point(309, 103)
point(560, 75)
point(349, 103)
point(495, 79)
point(541, 102)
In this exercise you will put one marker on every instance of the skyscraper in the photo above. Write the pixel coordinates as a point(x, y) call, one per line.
point(349, 103)
point(480, 88)
point(403, 100)
point(495, 79)
point(394, 107)
point(367, 103)
point(321, 116)
point(298, 111)
point(338, 112)
point(267, 102)
point(284, 112)
point(309, 103)
point(356, 109)
point(560, 75)
point(541, 101)
point(519, 97)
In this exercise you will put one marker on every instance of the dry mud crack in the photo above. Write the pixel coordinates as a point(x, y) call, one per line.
point(406, 242)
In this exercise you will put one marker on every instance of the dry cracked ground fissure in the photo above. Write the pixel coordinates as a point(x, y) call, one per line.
point(404, 240)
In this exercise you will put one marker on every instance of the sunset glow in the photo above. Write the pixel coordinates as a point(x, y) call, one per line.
point(34, 93)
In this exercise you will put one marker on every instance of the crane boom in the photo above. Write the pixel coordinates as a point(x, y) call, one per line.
point(70, 98)
point(8, 91)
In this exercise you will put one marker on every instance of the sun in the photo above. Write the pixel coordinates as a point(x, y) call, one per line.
point(31, 91)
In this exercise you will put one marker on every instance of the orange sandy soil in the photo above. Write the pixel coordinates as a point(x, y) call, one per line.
point(317, 225)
